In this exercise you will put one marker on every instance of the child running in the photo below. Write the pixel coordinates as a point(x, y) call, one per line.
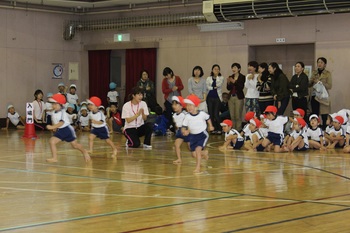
point(98, 125)
point(63, 130)
point(195, 126)
point(179, 114)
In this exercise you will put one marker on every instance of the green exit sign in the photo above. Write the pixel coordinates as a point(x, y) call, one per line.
point(121, 37)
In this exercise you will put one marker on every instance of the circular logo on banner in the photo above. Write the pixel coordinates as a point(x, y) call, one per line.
point(58, 71)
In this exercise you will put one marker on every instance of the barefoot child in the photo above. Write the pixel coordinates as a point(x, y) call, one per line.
point(98, 125)
point(14, 119)
point(256, 136)
point(63, 130)
point(275, 126)
point(178, 116)
point(347, 141)
point(336, 136)
point(233, 139)
point(297, 139)
point(315, 133)
point(195, 125)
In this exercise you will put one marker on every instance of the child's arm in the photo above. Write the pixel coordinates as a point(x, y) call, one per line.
point(210, 125)
point(322, 143)
point(256, 142)
point(55, 126)
point(295, 143)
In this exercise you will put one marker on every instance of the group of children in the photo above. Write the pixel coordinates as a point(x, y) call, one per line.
point(283, 134)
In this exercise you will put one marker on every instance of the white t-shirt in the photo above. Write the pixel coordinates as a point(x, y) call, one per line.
point(84, 120)
point(233, 132)
point(250, 84)
point(38, 108)
point(72, 99)
point(348, 130)
point(314, 134)
point(14, 118)
point(71, 117)
point(179, 118)
point(301, 133)
point(112, 95)
point(196, 123)
point(339, 132)
point(60, 116)
point(258, 133)
point(276, 125)
point(130, 110)
point(246, 131)
point(98, 116)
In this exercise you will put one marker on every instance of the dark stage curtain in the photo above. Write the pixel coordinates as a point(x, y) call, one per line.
point(99, 74)
point(137, 60)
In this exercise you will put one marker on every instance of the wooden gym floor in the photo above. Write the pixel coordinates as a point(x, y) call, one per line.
point(142, 191)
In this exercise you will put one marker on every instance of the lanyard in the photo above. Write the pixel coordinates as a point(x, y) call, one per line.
point(137, 110)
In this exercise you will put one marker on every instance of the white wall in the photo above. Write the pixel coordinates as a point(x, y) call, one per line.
point(30, 42)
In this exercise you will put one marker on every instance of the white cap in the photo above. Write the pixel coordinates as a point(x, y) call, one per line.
point(73, 85)
point(10, 106)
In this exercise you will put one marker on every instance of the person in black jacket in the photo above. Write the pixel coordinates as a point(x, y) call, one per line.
point(298, 86)
point(235, 84)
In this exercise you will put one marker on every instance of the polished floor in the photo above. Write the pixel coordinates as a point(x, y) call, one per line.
point(142, 191)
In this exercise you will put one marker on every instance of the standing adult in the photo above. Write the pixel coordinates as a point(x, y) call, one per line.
point(171, 86)
point(135, 113)
point(235, 84)
point(264, 87)
point(198, 87)
point(147, 87)
point(214, 85)
point(325, 77)
point(252, 95)
point(299, 87)
point(279, 88)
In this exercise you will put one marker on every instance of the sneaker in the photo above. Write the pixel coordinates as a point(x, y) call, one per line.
point(147, 146)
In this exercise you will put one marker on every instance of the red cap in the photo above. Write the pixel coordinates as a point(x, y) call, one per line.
point(301, 121)
point(179, 99)
point(192, 99)
point(95, 101)
point(299, 112)
point(271, 108)
point(255, 122)
point(249, 115)
point(339, 119)
point(226, 123)
point(58, 98)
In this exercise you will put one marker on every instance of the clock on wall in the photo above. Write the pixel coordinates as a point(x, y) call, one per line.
point(58, 71)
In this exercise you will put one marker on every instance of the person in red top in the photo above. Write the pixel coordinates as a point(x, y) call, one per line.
point(171, 86)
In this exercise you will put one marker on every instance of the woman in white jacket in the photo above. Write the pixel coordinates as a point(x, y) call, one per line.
point(252, 95)
point(214, 85)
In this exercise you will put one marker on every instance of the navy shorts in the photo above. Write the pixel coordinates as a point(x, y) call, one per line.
point(101, 132)
point(196, 140)
point(180, 135)
point(275, 138)
point(239, 143)
point(66, 134)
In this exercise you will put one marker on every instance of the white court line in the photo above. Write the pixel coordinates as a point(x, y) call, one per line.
point(102, 194)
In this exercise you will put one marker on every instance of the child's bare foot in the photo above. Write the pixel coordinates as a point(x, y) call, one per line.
point(52, 160)
point(178, 161)
point(205, 154)
point(87, 157)
point(197, 171)
point(114, 154)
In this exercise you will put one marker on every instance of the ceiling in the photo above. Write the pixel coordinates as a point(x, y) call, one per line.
point(93, 6)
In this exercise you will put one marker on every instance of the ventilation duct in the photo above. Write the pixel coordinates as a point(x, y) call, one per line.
point(122, 24)
point(231, 10)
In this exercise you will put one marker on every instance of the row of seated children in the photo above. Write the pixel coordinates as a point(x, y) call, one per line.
point(269, 132)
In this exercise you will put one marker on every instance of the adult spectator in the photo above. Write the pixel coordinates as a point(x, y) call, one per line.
point(279, 90)
point(235, 84)
point(147, 87)
point(198, 87)
point(214, 85)
point(135, 114)
point(325, 78)
point(252, 95)
point(299, 87)
point(264, 87)
point(171, 86)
